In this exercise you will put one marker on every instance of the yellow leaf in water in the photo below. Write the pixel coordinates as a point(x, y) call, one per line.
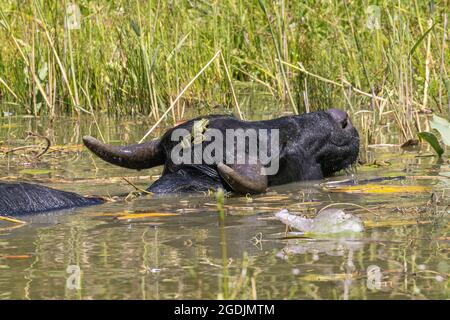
point(133, 216)
point(35, 172)
point(9, 219)
point(374, 188)
point(392, 223)
point(272, 198)
point(8, 126)
point(16, 257)
point(330, 277)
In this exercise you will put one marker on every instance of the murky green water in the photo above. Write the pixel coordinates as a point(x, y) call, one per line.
point(189, 256)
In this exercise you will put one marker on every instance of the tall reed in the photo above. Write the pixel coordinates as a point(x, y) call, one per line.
point(384, 60)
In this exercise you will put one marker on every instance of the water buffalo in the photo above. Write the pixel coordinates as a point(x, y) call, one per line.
point(308, 147)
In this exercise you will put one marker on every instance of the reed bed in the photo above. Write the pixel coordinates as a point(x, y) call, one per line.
point(384, 61)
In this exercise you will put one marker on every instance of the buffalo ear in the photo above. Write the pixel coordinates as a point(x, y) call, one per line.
point(136, 156)
point(244, 178)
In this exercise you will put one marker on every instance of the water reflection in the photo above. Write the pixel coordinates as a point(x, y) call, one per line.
point(333, 247)
point(183, 256)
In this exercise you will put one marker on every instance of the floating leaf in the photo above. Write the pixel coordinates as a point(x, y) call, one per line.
point(16, 257)
point(128, 214)
point(133, 216)
point(8, 126)
point(9, 219)
point(392, 223)
point(330, 277)
point(432, 140)
point(374, 188)
point(35, 172)
point(272, 198)
point(443, 126)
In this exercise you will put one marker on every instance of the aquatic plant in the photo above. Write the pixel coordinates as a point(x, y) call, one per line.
point(442, 126)
point(385, 62)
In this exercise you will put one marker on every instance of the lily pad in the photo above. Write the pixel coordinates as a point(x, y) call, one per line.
point(443, 126)
point(432, 140)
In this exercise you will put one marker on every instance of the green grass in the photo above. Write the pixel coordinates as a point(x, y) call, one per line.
point(135, 57)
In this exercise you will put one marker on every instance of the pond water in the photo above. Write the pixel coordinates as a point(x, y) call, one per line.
point(93, 253)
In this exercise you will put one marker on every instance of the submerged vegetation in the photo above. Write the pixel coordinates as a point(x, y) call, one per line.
point(377, 59)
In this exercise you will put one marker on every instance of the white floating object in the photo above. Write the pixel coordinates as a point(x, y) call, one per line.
point(326, 222)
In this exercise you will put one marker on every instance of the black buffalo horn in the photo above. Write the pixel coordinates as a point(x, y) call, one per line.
point(244, 178)
point(135, 156)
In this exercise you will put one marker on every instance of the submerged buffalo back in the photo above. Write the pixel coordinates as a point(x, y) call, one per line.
point(24, 198)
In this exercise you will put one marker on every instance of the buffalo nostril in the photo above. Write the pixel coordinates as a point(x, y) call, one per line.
point(344, 123)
